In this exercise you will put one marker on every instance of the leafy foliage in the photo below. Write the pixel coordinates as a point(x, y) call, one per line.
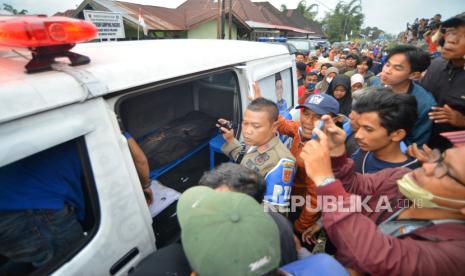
point(371, 33)
point(344, 22)
point(14, 11)
point(310, 12)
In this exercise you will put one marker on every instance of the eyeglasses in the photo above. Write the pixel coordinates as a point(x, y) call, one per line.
point(441, 169)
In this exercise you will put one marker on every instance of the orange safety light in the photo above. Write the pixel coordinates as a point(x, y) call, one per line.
point(36, 31)
point(47, 38)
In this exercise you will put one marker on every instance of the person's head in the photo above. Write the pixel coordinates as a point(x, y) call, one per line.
point(246, 239)
point(439, 183)
point(331, 72)
point(317, 52)
point(454, 46)
point(356, 82)
point(310, 80)
point(353, 115)
point(313, 108)
point(278, 86)
point(352, 60)
point(404, 63)
point(260, 122)
point(384, 118)
point(339, 87)
point(299, 57)
point(324, 67)
point(232, 177)
point(301, 67)
point(437, 17)
point(364, 65)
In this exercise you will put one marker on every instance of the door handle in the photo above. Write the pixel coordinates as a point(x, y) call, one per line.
point(124, 260)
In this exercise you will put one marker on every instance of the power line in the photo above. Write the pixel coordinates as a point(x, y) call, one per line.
point(324, 5)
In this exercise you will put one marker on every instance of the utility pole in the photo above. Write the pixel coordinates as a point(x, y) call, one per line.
point(230, 19)
point(218, 26)
point(223, 19)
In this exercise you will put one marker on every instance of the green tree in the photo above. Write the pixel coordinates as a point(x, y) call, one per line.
point(310, 12)
point(13, 10)
point(344, 22)
point(283, 8)
point(371, 33)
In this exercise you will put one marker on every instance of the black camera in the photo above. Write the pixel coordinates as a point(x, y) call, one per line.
point(228, 125)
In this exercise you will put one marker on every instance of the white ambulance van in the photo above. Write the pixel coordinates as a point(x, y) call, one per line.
point(137, 87)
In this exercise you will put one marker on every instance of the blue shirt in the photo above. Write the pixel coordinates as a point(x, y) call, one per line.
point(282, 107)
point(46, 180)
point(318, 264)
point(421, 131)
point(366, 162)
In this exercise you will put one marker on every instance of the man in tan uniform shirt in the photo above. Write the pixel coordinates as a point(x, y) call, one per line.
point(262, 158)
point(262, 151)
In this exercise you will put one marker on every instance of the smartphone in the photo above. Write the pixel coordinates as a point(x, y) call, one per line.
point(228, 125)
point(320, 126)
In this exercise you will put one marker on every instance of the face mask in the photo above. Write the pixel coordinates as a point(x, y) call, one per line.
point(311, 86)
point(328, 79)
point(420, 196)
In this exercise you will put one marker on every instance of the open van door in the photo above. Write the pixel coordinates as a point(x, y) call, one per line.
point(277, 79)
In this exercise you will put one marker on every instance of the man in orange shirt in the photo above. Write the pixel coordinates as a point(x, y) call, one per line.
point(313, 108)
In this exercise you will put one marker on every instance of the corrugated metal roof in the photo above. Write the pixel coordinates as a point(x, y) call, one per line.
point(297, 19)
point(156, 18)
point(199, 11)
point(260, 25)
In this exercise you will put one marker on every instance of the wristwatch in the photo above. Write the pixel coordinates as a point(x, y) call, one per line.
point(326, 181)
point(146, 185)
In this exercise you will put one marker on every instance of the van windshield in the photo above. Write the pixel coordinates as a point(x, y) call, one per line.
point(300, 45)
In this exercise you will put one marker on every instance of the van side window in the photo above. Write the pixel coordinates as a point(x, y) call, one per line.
point(45, 216)
point(278, 88)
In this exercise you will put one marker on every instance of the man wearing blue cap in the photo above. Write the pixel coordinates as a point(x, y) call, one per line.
point(312, 109)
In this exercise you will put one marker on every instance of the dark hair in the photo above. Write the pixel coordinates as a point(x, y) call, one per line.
point(419, 60)
point(326, 64)
point(395, 111)
point(301, 66)
point(354, 56)
point(265, 105)
point(312, 73)
point(368, 60)
point(277, 77)
point(238, 178)
point(299, 54)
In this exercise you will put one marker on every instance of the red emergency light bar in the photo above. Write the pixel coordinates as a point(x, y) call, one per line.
point(37, 31)
point(47, 38)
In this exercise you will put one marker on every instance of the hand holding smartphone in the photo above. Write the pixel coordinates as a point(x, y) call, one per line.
point(320, 126)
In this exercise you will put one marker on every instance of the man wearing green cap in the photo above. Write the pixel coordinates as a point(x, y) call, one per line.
point(227, 233)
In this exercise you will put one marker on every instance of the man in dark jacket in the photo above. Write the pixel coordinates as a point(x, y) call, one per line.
point(445, 78)
point(405, 223)
point(405, 63)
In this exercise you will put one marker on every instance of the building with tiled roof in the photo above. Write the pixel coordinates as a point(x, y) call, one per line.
point(197, 19)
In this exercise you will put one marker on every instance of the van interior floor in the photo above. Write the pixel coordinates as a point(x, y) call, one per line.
point(185, 175)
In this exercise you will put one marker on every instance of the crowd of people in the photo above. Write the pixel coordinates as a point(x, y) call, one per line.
point(370, 183)
point(425, 32)
point(368, 135)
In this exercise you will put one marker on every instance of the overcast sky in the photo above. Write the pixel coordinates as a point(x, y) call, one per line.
point(388, 15)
